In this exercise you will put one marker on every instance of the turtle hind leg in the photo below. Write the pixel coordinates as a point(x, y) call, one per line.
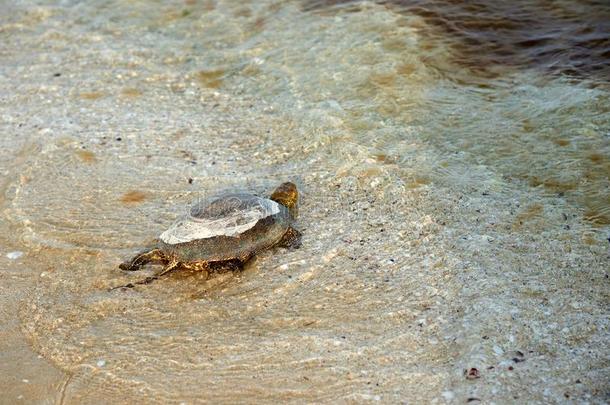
point(174, 265)
point(291, 239)
point(151, 256)
point(236, 264)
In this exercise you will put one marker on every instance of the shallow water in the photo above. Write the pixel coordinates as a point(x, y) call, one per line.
point(454, 215)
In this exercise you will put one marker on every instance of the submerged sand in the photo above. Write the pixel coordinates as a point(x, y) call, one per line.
point(447, 226)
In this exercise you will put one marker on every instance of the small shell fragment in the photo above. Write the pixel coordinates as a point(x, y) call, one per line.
point(14, 255)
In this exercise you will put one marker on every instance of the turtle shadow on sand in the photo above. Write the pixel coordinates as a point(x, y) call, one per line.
point(223, 234)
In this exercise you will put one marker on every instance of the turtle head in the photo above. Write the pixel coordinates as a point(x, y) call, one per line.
point(287, 195)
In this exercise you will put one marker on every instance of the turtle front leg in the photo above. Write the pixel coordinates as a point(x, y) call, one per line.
point(171, 266)
point(291, 239)
point(152, 256)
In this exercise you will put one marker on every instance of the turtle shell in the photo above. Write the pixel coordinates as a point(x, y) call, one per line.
point(232, 226)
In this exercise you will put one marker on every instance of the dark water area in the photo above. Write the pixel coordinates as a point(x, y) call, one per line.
point(570, 38)
point(486, 50)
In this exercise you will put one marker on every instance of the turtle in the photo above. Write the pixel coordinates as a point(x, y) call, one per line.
point(224, 232)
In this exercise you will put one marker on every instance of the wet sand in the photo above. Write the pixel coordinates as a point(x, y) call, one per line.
point(449, 225)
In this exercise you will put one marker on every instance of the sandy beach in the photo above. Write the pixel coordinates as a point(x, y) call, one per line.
point(455, 217)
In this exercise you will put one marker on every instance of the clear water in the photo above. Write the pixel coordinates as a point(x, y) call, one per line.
point(455, 206)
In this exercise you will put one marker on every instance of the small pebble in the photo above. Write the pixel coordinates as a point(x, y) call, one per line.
point(472, 373)
point(14, 255)
point(448, 395)
point(498, 350)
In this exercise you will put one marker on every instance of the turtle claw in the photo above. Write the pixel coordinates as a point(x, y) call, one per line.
point(174, 265)
point(129, 285)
